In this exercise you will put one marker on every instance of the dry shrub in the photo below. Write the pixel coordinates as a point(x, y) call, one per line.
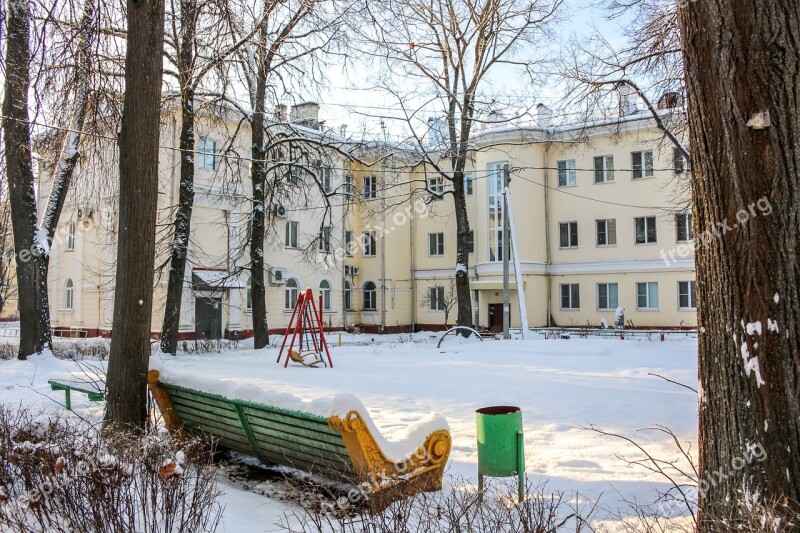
point(59, 476)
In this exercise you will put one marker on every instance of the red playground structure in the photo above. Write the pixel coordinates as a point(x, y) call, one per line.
point(306, 326)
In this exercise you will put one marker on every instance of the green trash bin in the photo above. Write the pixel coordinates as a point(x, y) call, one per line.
point(501, 451)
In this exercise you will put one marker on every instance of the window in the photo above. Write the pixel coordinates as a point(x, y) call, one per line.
point(606, 232)
point(435, 243)
point(642, 164)
point(291, 233)
point(370, 189)
point(687, 295)
point(683, 227)
point(71, 236)
point(368, 243)
point(290, 294)
point(496, 210)
point(646, 230)
point(325, 178)
point(348, 185)
point(436, 298)
point(471, 242)
point(68, 294)
point(604, 169)
point(325, 292)
point(249, 294)
point(348, 296)
point(207, 154)
point(325, 240)
point(607, 296)
point(294, 174)
point(468, 185)
point(567, 175)
point(647, 295)
point(570, 296)
point(679, 162)
point(436, 187)
point(568, 234)
point(370, 297)
point(348, 243)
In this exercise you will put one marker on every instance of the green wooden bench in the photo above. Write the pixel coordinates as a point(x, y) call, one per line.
point(89, 384)
point(339, 449)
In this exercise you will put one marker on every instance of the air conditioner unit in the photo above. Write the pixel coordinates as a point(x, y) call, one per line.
point(277, 276)
point(279, 210)
point(352, 270)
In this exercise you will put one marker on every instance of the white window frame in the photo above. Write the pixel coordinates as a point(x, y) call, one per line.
point(570, 235)
point(371, 294)
point(325, 240)
point(348, 296)
point(494, 173)
point(684, 221)
point(369, 190)
point(207, 154)
point(567, 170)
point(369, 244)
point(646, 228)
point(691, 288)
point(469, 184)
point(607, 224)
point(69, 294)
point(606, 168)
point(292, 235)
point(70, 237)
point(248, 294)
point(436, 187)
point(325, 291)
point(645, 166)
point(436, 298)
point(648, 296)
point(326, 178)
point(348, 243)
point(471, 241)
point(572, 296)
point(680, 164)
point(607, 286)
point(435, 244)
point(290, 294)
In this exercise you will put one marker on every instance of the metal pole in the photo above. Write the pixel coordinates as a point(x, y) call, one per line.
point(506, 253)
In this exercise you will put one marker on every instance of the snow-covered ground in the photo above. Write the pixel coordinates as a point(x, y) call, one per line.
point(562, 386)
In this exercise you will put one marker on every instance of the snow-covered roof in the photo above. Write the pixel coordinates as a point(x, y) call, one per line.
point(215, 279)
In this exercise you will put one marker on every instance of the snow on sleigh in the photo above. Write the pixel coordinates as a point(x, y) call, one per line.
point(332, 437)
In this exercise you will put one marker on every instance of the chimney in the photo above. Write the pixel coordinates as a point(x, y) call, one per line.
point(306, 114)
point(281, 113)
point(544, 116)
point(627, 101)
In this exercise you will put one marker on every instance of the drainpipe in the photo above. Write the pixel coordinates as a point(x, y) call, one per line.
point(344, 241)
point(547, 232)
point(383, 247)
point(412, 224)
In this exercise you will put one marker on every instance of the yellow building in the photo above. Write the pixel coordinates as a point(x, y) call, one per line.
point(599, 213)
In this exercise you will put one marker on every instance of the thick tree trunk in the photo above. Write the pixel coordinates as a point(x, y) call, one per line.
point(183, 216)
point(464, 306)
point(257, 233)
point(743, 58)
point(138, 200)
point(30, 245)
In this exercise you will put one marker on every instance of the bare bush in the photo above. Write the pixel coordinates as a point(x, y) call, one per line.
point(57, 476)
point(458, 510)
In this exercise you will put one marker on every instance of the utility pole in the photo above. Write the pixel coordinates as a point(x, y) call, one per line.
point(506, 253)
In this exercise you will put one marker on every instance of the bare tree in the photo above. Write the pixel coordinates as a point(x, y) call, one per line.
point(138, 200)
point(647, 69)
point(282, 49)
point(30, 245)
point(446, 51)
point(742, 63)
point(441, 298)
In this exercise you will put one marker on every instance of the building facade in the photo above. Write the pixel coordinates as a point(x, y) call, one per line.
point(600, 213)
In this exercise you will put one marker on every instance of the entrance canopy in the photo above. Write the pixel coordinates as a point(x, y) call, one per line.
point(214, 280)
